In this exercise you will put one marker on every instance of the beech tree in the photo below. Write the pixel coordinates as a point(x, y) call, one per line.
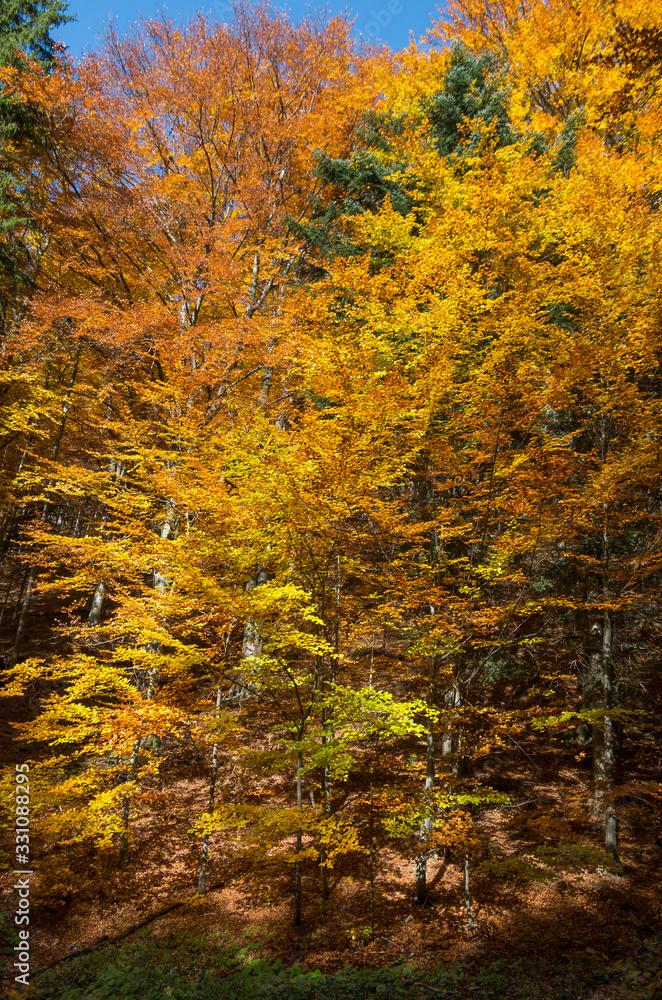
point(499, 299)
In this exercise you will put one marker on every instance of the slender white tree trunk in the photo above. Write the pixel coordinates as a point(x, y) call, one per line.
point(252, 643)
point(611, 820)
point(212, 796)
point(467, 895)
point(599, 695)
point(150, 677)
point(98, 601)
point(427, 824)
point(297, 864)
point(126, 808)
point(372, 858)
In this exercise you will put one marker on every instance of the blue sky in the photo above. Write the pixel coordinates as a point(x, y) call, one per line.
point(387, 21)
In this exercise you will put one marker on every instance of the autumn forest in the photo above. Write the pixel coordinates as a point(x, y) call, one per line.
point(330, 505)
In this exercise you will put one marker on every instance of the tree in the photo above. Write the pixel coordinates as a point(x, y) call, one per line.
point(169, 221)
point(310, 380)
point(25, 41)
point(499, 305)
point(26, 30)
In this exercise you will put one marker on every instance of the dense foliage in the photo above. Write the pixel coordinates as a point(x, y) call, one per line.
point(316, 360)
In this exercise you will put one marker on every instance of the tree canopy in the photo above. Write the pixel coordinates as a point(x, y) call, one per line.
point(331, 442)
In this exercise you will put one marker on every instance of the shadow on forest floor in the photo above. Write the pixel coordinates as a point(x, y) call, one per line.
point(214, 965)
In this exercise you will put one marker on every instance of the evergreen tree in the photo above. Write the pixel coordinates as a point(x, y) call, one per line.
point(472, 90)
point(25, 34)
point(361, 182)
point(25, 29)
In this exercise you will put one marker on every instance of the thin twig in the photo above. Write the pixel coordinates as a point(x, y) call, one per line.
point(388, 941)
point(523, 750)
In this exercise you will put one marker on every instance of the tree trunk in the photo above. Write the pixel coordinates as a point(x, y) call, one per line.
point(98, 601)
point(126, 808)
point(467, 895)
point(372, 858)
point(8, 592)
point(593, 692)
point(421, 893)
point(161, 581)
point(609, 755)
point(12, 659)
point(65, 406)
point(150, 677)
point(326, 799)
point(126, 802)
point(327, 725)
point(297, 864)
point(212, 795)
point(451, 745)
point(251, 646)
point(598, 695)
point(19, 599)
point(252, 641)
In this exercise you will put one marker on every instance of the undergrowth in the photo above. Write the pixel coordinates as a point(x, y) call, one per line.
point(214, 967)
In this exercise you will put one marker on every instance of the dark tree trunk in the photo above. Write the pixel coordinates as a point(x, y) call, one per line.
point(12, 659)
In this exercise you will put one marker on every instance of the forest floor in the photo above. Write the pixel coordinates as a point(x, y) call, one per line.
point(581, 916)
